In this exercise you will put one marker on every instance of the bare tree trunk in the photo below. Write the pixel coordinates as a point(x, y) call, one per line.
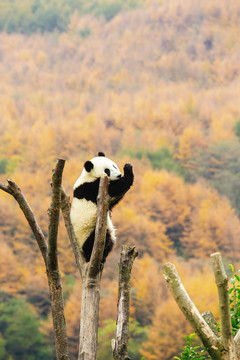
point(219, 348)
point(119, 346)
point(89, 317)
point(49, 253)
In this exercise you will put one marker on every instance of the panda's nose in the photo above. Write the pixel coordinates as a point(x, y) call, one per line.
point(119, 176)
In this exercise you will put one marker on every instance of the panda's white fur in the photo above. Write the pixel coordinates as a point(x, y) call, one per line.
point(84, 224)
point(84, 206)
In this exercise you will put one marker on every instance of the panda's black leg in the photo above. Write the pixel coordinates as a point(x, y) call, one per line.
point(88, 246)
point(108, 247)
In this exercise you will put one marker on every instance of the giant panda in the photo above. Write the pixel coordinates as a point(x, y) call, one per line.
point(83, 212)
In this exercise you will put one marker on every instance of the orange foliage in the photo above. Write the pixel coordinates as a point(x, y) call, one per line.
point(65, 96)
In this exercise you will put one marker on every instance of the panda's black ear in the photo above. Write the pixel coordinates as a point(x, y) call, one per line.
point(88, 166)
point(101, 154)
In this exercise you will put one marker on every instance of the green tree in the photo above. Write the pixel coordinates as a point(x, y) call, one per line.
point(163, 158)
point(220, 166)
point(21, 338)
point(137, 335)
point(237, 128)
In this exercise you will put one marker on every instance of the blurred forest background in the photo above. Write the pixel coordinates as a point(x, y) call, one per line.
point(151, 82)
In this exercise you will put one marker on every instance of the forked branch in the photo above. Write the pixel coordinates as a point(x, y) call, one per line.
point(49, 254)
point(220, 348)
point(209, 339)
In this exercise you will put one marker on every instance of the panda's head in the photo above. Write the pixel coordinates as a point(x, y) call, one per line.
point(96, 167)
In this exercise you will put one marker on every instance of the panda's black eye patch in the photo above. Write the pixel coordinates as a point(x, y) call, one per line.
point(107, 171)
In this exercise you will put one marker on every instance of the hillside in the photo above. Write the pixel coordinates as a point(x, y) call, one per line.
point(155, 84)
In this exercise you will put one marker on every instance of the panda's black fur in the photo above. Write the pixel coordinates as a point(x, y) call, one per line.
point(84, 205)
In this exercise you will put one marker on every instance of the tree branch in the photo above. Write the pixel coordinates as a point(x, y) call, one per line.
point(5, 188)
point(237, 343)
point(66, 207)
point(13, 189)
point(223, 296)
point(209, 339)
point(54, 277)
point(101, 226)
point(53, 213)
point(119, 346)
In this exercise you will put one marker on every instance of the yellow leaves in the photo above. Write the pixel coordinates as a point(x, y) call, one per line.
point(222, 128)
point(120, 78)
point(210, 228)
point(41, 58)
point(191, 139)
point(11, 274)
point(145, 272)
point(25, 55)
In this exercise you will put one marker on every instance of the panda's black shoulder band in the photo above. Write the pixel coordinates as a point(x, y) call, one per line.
point(87, 191)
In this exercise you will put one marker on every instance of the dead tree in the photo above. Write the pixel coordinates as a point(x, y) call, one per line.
point(224, 347)
point(49, 253)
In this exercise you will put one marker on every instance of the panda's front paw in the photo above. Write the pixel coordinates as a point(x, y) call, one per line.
point(128, 172)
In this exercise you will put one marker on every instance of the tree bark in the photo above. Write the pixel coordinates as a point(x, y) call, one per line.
point(237, 344)
point(211, 321)
point(120, 345)
point(89, 317)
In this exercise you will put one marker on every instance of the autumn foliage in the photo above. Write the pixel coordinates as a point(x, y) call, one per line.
point(154, 83)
